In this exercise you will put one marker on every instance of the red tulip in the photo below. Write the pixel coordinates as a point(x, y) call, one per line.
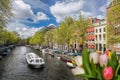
point(108, 73)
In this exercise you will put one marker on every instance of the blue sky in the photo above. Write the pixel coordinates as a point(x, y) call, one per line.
point(31, 15)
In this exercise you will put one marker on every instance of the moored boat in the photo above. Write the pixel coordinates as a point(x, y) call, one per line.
point(71, 65)
point(0, 57)
point(34, 60)
point(3, 51)
point(66, 58)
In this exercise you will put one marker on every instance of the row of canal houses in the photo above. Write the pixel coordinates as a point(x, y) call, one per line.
point(96, 38)
point(96, 34)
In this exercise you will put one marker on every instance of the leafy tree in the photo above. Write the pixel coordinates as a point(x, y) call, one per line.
point(5, 12)
point(65, 31)
point(80, 27)
point(37, 38)
point(49, 38)
point(7, 37)
point(113, 26)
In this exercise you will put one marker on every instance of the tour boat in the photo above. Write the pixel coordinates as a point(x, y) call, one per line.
point(34, 60)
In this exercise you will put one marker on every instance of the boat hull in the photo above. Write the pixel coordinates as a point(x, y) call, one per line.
point(36, 66)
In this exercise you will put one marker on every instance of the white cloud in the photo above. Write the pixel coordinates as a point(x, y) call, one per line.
point(22, 29)
point(86, 14)
point(52, 25)
point(42, 16)
point(73, 7)
point(103, 8)
point(108, 2)
point(22, 10)
point(83, 13)
point(38, 4)
point(63, 9)
point(101, 17)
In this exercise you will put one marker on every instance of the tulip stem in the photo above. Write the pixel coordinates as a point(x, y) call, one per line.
point(117, 69)
point(86, 78)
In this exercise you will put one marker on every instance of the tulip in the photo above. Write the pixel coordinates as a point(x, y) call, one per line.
point(108, 53)
point(108, 73)
point(95, 57)
point(78, 60)
point(78, 70)
point(103, 59)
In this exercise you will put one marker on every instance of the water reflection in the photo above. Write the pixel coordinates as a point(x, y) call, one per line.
point(14, 67)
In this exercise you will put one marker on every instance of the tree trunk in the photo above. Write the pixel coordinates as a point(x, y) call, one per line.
point(68, 45)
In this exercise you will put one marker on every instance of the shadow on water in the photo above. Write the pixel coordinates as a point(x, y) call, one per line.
point(14, 67)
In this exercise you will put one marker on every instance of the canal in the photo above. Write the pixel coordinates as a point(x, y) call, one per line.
point(14, 67)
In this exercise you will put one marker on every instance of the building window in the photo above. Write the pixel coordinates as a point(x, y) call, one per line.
point(96, 30)
point(96, 45)
point(104, 29)
point(96, 37)
point(104, 47)
point(99, 37)
point(100, 47)
point(100, 30)
point(104, 37)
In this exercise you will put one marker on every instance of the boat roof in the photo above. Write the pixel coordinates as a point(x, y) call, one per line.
point(33, 55)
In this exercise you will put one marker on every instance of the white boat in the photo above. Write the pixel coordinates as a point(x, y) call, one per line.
point(34, 60)
point(71, 65)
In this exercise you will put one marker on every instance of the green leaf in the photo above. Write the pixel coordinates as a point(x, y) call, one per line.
point(93, 68)
point(113, 62)
point(99, 72)
point(86, 63)
point(116, 72)
point(85, 75)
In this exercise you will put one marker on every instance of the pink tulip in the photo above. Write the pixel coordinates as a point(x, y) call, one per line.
point(108, 73)
point(103, 59)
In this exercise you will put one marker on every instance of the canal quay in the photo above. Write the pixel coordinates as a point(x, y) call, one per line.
point(14, 67)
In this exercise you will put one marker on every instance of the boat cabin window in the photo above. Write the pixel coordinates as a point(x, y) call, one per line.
point(37, 60)
point(29, 56)
point(40, 60)
point(31, 60)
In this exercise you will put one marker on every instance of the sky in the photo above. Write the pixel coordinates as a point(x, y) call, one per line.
point(31, 15)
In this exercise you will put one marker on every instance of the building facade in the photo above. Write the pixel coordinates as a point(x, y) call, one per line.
point(100, 35)
point(96, 35)
point(90, 38)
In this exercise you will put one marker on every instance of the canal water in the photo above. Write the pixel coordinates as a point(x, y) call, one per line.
point(14, 67)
